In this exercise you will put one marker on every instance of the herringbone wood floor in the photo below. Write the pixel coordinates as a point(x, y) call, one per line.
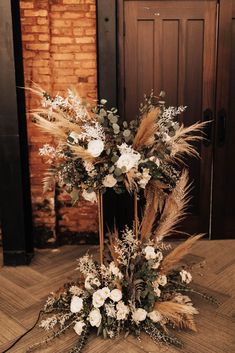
point(23, 291)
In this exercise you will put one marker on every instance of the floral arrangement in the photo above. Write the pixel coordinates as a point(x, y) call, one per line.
point(142, 285)
point(141, 288)
point(95, 150)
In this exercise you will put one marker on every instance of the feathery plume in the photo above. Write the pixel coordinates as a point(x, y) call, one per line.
point(155, 197)
point(180, 315)
point(145, 134)
point(178, 253)
point(181, 142)
point(175, 207)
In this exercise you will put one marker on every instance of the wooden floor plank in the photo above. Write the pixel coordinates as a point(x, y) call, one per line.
point(9, 328)
point(24, 289)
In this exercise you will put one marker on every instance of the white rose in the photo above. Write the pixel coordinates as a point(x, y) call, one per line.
point(95, 318)
point(185, 276)
point(91, 281)
point(139, 315)
point(100, 296)
point(76, 304)
point(162, 280)
point(95, 147)
point(155, 316)
point(150, 253)
point(116, 295)
point(105, 292)
point(78, 328)
point(122, 310)
point(128, 161)
point(89, 196)
point(109, 181)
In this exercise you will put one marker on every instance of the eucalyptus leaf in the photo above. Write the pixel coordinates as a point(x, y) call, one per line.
point(102, 112)
point(117, 171)
point(100, 328)
point(74, 196)
point(100, 119)
point(114, 159)
point(126, 133)
point(116, 126)
point(104, 333)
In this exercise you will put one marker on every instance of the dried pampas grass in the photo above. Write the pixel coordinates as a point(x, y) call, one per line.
point(181, 142)
point(176, 255)
point(181, 315)
point(113, 236)
point(50, 127)
point(175, 208)
point(147, 129)
point(155, 198)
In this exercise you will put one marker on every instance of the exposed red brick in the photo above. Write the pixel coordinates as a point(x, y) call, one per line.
point(38, 13)
point(26, 5)
point(62, 40)
point(59, 52)
point(37, 46)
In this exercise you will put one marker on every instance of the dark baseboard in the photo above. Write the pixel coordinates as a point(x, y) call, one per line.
point(16, 258)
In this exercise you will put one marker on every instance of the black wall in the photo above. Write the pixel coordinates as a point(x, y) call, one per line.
point(15, 202)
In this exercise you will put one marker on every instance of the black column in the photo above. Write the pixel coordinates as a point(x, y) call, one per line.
point(107, 51)
point(15, 201)
point(118, 209)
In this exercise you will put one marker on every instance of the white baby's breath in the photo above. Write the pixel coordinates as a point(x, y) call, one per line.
point(186, 277)
point(75, 290)
point(91, 282)
point(150, 253)
point(122, 310)
point(110, 310)
point(48, 323)
point(144, 178)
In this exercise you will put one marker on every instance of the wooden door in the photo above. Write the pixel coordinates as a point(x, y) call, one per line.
point(223, 211)
point(171, 46)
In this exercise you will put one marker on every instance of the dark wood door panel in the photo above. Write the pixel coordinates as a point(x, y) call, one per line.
point(223, 211)
point(171, 46)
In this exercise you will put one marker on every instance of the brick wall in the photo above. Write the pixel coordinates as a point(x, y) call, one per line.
point(59, 50)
